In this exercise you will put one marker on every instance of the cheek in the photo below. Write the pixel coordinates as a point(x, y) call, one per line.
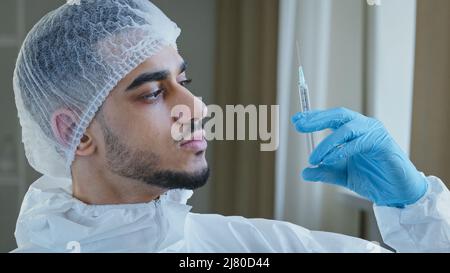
point(143, 126)
point(151, 127)
point(150, 132)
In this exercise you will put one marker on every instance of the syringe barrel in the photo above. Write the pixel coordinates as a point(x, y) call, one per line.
point(305, 107)
point(304, 98)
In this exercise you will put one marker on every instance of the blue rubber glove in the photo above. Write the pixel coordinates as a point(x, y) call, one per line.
point(361, 156)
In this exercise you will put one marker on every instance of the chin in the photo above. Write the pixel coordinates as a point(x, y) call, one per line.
point(195, 165)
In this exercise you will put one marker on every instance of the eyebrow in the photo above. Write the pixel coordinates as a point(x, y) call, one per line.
point(153, 76)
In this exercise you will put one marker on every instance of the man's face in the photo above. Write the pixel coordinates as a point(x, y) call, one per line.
point(136, 123)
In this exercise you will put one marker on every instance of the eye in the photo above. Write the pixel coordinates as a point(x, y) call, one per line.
point(186, 82)
point(153, 96)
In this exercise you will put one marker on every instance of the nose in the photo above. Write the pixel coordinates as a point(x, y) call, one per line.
point(189, 109)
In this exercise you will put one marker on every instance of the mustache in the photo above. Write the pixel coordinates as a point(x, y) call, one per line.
point(191, 128)
point(196, 125)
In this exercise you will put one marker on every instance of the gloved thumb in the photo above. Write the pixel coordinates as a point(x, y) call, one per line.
point(324, 174)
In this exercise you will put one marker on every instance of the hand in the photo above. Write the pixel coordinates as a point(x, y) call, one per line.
point(361, 156)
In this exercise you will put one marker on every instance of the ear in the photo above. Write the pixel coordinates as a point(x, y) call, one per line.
point(86, 146)
point(63, 123)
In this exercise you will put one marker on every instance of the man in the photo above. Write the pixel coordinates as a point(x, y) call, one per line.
point(96, 83)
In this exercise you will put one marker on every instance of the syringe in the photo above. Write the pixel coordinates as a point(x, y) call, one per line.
point(305, 105)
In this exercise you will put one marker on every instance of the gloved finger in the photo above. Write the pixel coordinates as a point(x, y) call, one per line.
point(346, 133)
point(326, 174)
point(300, 115)
point(308, 122)
point(354, 147)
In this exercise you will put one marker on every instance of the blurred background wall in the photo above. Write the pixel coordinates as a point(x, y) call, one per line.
point(242, 52)
point(16, 18)
point(431, 115)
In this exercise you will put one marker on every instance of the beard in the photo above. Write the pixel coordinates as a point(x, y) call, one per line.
point(143, 165)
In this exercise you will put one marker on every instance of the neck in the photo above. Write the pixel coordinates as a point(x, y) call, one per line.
point(93, 184)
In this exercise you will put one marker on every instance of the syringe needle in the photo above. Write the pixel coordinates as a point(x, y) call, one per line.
point(298, 53)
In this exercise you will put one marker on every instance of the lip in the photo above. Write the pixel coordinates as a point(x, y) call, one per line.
point(196, 142)
point(195, 145)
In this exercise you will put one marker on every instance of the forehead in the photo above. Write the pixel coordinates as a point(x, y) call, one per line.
point(166, 59)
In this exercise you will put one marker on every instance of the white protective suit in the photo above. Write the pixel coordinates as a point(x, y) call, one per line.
point(51, 220)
